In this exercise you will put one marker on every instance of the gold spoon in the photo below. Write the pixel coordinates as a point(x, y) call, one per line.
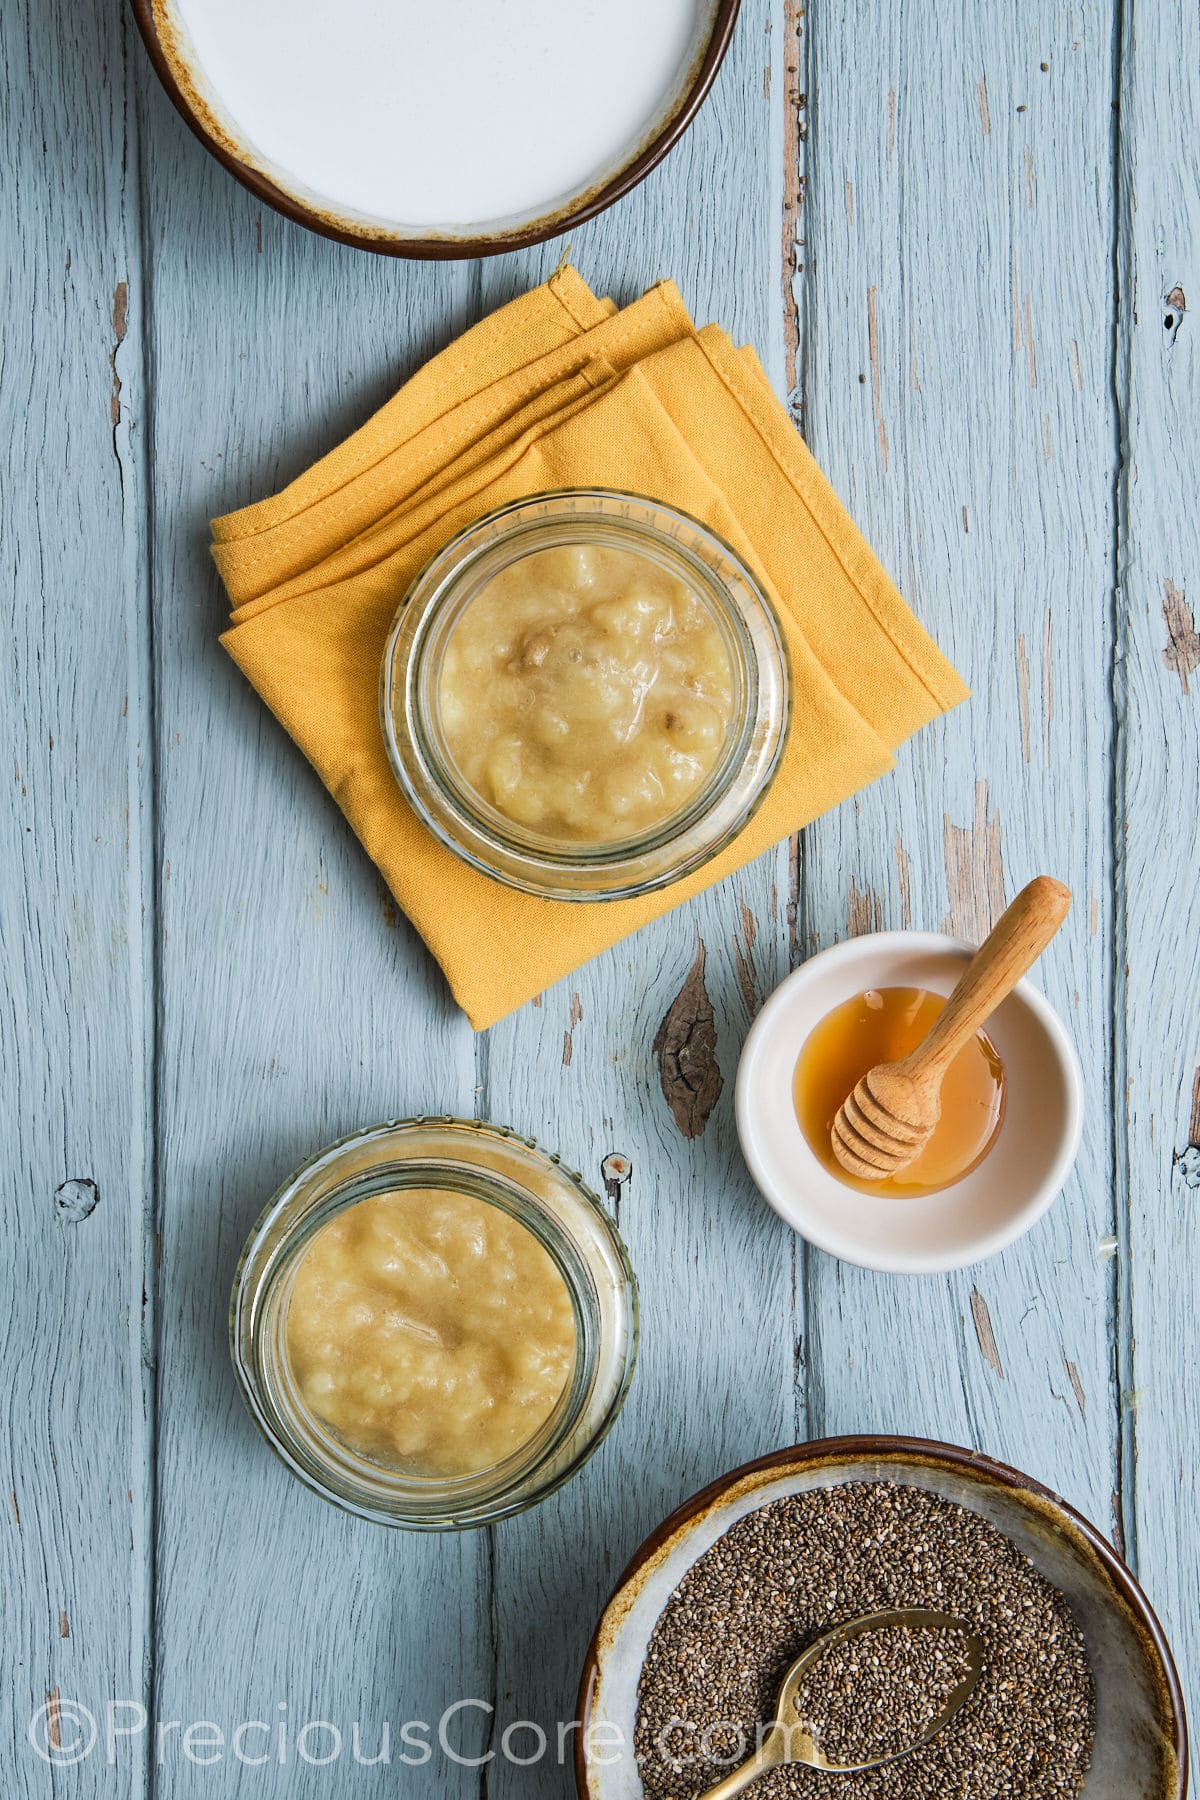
point(884, 1125)
point(791, 1738)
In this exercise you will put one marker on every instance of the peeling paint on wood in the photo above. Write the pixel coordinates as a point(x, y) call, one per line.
point(576, 1015)
point(904, 878)
point(1188, 1164)
point(743, 957)
point(686, 1049)
point(793, 188)
point(793, 900)
point(1187, 1160)
point(1031, 369)
point(1047, 685)
point(876, 379)
point(1023, 693)
point(984, 1334)
point(864, 911)
point(119, 311)
point(1182, 654)
point(974, 871)
point(1076, 1385)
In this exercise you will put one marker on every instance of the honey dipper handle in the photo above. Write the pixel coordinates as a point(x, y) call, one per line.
point(1011, 947)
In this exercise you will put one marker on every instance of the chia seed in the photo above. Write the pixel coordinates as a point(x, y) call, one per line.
point(879, 1694)
point(784, 1575)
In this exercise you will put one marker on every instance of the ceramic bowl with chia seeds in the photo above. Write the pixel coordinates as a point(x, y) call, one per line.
point(1079, 1694)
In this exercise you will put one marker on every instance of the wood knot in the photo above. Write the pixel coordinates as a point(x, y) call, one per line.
point(1188, 1163)
point(1176, 305)
point(686, 1049)
point(76, 1199)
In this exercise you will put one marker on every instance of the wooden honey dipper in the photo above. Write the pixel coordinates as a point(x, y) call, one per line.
point(884, 1125)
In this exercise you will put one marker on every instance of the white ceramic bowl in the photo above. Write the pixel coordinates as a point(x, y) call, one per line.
point(448, 128)
point(1013, 1185)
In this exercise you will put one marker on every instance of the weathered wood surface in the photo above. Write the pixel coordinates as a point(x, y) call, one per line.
point(75, 999)
point(1156, 796)
point(958, 390)
point(958, 264)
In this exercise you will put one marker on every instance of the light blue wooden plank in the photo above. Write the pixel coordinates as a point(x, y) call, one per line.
point(716, 1379)
point(1157, 802)
point(72, 1018)
point(294, 1006)
point(958, 230)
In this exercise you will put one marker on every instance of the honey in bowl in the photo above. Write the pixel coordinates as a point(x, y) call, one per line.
point(883, 1025)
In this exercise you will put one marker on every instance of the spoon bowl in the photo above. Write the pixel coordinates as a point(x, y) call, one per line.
point(793, 1738)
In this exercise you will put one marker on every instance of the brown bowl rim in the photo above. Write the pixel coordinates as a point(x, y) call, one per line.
point(447, 249)
point(930, 1450)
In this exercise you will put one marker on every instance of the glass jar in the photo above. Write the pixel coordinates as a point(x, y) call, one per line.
point(489, 1164)
point(754, 739)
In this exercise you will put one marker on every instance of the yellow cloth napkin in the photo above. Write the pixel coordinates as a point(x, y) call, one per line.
point(559, 389)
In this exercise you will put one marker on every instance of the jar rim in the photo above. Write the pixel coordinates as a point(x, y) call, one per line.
point(286, 1228)
point(730, 793)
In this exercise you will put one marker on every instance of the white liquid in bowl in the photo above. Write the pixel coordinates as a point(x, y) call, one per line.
point(440, 115)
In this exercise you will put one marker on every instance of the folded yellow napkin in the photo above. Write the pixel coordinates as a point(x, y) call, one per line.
point(559, 389)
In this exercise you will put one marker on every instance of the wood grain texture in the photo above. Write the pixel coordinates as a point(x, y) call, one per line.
point(73, 999)
point(294, 1005)
point(1157, 805)
point(958, 223)
point(710, 217)
point(971, 281)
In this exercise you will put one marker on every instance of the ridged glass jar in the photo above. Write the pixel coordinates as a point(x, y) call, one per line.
point(489, 1164)
point(468, 824)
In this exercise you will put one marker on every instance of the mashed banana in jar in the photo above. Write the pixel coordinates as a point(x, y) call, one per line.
point(431, 1331)
point(586, 693)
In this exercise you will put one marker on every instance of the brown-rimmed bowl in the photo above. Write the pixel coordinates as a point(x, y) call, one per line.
point(184, 80)
point(1140, 1751)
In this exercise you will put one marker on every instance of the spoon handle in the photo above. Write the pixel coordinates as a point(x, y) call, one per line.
point(1011, 947)
point(773, 1752)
